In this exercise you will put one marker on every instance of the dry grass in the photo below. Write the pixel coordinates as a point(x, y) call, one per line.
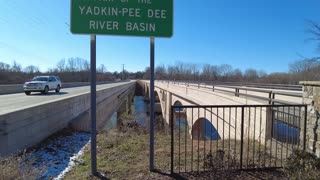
point(192, 154)
point(125, 155)
point(303, 165)
point(16, 167)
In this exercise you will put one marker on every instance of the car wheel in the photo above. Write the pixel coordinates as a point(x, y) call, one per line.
point(27, 92)
point(46, 90)
point(58, 89)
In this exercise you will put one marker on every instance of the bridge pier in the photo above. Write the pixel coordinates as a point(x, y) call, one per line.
point(120, 103)
point(168, 104)
point(125, 107)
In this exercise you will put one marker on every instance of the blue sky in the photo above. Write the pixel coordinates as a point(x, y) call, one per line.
point(262, 34)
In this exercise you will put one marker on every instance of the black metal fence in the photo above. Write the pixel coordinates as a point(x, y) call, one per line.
point(209, 138)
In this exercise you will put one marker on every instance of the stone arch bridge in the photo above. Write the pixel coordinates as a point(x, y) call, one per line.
point(226, 113)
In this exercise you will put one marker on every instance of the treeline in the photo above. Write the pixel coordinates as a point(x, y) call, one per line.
point(69, 70)
point(78, 70)
point(303, 70)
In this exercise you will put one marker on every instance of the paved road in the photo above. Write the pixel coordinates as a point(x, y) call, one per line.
point(13, 102)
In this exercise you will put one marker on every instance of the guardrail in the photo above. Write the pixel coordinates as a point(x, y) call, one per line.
point(254, 85)
point(271, 94)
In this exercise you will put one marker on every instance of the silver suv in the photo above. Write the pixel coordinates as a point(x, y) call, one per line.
point(42, 84)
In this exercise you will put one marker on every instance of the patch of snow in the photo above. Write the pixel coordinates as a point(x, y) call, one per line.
point(58, 154)
point(73, 160)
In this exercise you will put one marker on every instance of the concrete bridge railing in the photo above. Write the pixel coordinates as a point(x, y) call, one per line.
point(18, 88)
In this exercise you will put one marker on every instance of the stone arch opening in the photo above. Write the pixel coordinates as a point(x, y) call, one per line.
point(156, 97)
point(159, 119)
point(178, 109)
point(180, 117)
point(203, 129)
point(181, 121)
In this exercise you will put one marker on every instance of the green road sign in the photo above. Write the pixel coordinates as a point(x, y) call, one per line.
point(122, 17)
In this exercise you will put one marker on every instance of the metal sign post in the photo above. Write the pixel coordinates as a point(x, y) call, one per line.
point(151, 103)
point(93, 105)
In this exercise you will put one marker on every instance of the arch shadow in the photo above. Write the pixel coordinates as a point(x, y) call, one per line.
point(202, 129)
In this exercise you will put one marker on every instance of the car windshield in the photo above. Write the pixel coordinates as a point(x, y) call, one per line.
point(40, 79)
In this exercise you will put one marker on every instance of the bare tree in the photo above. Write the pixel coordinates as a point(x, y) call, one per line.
point(61, 65)
point(160, 72)
point(314, 30)
point(206, 72)
point(215, 73)
point(225, 71)
point(195, 72)
point(31, 69)
point(16, 67)
point(147, 73)
point(262, 74)
point(304, 65)
point(101, 69)
point(71, 65)
point(251, 74)
point(4, 67)
point(236, 75)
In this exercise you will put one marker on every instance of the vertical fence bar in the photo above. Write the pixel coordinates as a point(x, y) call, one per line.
point(276, 135)
point(217, 143)
point(223, 128)
point(288, 127)
point(260, 137)
point(229, 136)
point(192, 139)
point(198, 139)
point(248, 148)
point(241, 143)
point(185, 145)
point(205, 135)
point(281, 134)
point(211, 127)
point(293, 128)
point(254, 133)
point(179, 131)
point(265, 144)
point(299, 122)
point(235, 133)
point(272, 123)
point(305, 128)
point(172, 138)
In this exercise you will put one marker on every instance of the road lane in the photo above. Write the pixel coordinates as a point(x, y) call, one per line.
point(14, 102)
